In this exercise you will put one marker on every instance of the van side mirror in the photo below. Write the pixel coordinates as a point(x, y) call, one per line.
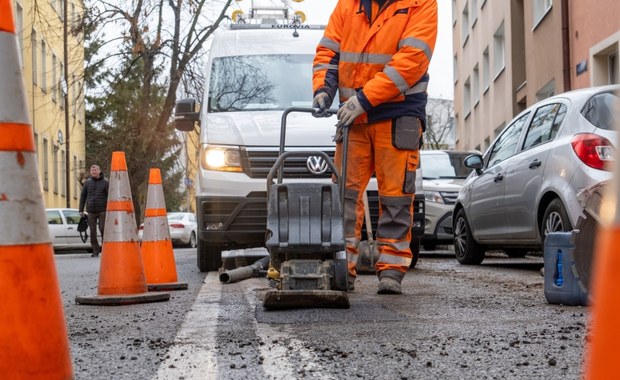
point(185, 115)
point(475, 162)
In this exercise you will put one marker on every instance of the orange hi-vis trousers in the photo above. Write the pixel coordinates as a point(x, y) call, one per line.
point(372, 149)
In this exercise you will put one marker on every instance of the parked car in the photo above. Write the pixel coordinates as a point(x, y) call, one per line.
point(526, 184)
point(62, 223)
point(444, 174)
point(182, 227)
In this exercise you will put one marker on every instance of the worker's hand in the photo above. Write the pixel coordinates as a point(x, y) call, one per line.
point(350, 110)
point(321, 101)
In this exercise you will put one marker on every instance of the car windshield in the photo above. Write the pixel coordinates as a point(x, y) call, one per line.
point(603, 109)
point(175, 216)
point(445, 165)
point(260, 82)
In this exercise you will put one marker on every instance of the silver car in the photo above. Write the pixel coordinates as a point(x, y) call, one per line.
point(527, 182)
point(62, 224)
point(182, 226)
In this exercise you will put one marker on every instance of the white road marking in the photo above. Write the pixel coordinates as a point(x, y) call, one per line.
point(193, 354)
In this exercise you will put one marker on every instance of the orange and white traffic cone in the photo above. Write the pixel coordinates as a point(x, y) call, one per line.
point(121, 273)
point(157, 254)
point(33, 334)
point(603, 351)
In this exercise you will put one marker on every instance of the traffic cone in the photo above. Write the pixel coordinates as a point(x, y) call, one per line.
point(121, 274)
point(603, 351)
point(157, 254)
point(33, 334)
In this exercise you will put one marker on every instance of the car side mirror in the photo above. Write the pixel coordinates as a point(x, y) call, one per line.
point(475, 162)
point(185, 115)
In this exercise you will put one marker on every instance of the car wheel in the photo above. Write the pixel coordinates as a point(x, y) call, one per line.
point(555, 219)
point(515, 252)
point(466, 249)
point(415, 251)
point(192, 240)
point(430, 245)
point(209, 256)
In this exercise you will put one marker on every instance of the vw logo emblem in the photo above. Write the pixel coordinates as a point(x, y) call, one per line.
point(316, 165)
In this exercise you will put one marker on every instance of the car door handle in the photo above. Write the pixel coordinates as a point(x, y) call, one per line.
point(534, 164)
point(69, 228)
point(498, 177)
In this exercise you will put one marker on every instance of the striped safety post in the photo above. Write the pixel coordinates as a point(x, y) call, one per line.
point(33, 333)
point(157, 253)
point(121, 272)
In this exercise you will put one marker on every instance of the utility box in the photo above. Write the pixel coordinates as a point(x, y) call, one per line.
point(562, 282)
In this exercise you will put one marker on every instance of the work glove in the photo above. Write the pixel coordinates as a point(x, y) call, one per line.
point(349, 111)
point(321, 102)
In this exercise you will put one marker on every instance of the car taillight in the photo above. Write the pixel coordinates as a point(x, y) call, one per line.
point(177, 225)
point(593, 150)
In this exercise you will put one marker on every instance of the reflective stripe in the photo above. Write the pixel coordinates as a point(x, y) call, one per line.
point(6, 21)
point(418, 88)
point(16, 137)
point(322, 67)
point(22, 215)
point(126, 206)
point(404, 200)
point(352, 258)
point(398, 79)
point(152, 212)
point(118, 188)
point(379, 59)
point(156, 228)
point(385, 258)
point(13, 106)
point(120, 226)
point(399, 246)
point(418, 44)
point(155, 198)
point(330, 44)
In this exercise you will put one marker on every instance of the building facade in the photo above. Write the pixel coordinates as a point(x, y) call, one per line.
point(56, 105)
point(510, 54)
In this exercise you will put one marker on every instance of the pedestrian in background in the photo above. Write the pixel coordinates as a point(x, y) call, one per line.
point(376, 53)
point(94, 199)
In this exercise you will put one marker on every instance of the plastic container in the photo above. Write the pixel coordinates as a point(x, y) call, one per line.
point(562, 284)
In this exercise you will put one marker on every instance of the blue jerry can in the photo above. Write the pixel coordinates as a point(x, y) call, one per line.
point(562, 283)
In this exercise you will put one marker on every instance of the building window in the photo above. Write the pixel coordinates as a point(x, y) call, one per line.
point(499, 48)
point(475, 86)
point(467, 97)
point(453, 13)
point(73, 94)
point(46, 182)
point(548, 90)
point(61, 87)
point(455, 69)
point(63, 173)
point(36, 143)
point(43, 66)
point(605, 65)
point(613, 68)
point(465, 24)
point(486, 69)
point(541, 8)
point(75, 176)
point(474, 12)
point(55, 168)
point(54, 78)
point(33, 45)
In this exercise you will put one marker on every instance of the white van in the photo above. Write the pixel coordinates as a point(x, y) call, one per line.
point(255, 72)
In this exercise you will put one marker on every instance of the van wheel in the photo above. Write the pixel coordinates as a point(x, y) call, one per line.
point(415, 251)
point(209, 256)
point(466, 249)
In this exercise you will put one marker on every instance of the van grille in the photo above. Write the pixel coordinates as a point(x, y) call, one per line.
point(257, 162)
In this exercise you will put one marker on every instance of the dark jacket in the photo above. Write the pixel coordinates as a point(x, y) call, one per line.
point(94, 194)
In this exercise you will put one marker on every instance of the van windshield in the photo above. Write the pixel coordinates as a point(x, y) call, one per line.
point(260, 82)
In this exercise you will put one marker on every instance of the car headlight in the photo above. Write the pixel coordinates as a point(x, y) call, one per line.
point(220, 158)
point(433, 196)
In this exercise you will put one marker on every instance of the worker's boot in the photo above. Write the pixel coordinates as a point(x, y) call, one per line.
point(388, 285)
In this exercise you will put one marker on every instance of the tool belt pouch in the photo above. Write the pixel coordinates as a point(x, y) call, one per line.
point(406, 132)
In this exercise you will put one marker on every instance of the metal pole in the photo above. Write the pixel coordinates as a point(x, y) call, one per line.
point(67, 129)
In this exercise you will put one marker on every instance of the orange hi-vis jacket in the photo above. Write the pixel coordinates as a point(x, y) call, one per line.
point(380, 55)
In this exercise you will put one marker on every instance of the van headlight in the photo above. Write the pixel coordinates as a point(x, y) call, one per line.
point(220, 158)
point(433, 196)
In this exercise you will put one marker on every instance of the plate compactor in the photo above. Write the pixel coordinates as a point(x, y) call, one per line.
point(305, 236)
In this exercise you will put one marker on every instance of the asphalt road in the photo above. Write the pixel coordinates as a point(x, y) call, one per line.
point(453, 321)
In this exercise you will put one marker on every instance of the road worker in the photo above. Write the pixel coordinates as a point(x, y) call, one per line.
point(376, 54)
